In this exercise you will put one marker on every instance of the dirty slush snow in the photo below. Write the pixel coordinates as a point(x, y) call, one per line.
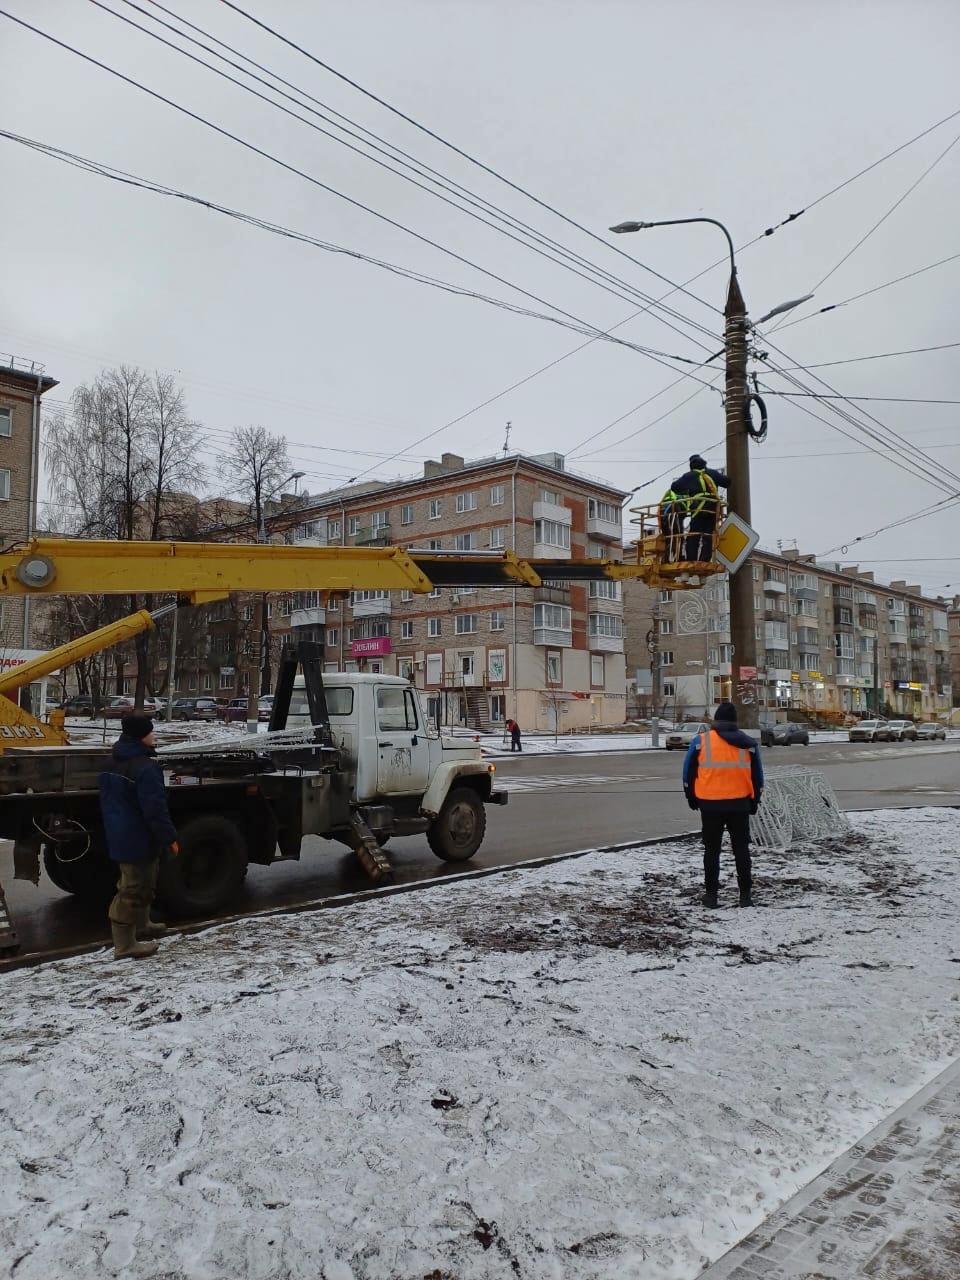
point(570, 1071)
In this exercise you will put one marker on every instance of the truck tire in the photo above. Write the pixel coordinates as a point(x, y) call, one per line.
point(89, 875)
point(208, 871)
point(458, 831)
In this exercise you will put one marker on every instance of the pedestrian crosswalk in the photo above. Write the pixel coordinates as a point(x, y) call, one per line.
point(554, 781)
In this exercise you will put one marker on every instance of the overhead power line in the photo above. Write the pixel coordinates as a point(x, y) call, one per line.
point(882, 355)
point(571, 261)
point(894, 524)
point(460, 152)
point(252, 147)
point(819, 395)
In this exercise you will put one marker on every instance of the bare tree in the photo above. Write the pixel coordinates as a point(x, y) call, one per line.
point(256, 468)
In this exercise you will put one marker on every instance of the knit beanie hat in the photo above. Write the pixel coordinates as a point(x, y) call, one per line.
point(697, 463)
point(136, 726)
point(726, 711)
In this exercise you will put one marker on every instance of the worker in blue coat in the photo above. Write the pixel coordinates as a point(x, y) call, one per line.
point(700, 487)
point(139, 829)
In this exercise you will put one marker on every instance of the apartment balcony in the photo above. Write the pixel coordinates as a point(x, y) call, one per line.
point(868, 619)
point(373, 608)
point(919, 672)
point(805, 593)
point(899, 671)
point(773, 587)
point(778, 673)
point(605, 644)
point(919, 636)
point(846, 624)
point(554, 638)
point(610, 530)
point(308, 617)
point(775, 615)
point(374, 536)
point(941, 677)
point(807, 638)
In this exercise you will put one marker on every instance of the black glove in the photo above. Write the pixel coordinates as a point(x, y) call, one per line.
point(693, 802)
point(754, 805)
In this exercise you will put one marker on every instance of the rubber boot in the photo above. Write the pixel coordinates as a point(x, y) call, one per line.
point(746, 898)
point(125, 944)
point(710, 899)
point(147, 928)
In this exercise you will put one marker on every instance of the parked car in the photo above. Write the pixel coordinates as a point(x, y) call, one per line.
point(869, 731)
point(195, 709)
point(930, 730)
point(264, 706)
point(235, 709)
point(787, 734)
point(81, 704)
point(681, 737)
point(902, 731)
point(123, 706)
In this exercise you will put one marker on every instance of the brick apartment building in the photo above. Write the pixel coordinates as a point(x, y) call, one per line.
point(23, 384)
point(953, 639)
point(818, 629)
point(548, 656)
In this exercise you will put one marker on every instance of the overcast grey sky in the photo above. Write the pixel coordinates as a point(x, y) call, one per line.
point(607, 110)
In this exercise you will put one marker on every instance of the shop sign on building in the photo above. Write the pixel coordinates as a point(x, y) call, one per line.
point(374, 647)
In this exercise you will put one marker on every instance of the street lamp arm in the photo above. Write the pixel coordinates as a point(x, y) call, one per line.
point(623, 227)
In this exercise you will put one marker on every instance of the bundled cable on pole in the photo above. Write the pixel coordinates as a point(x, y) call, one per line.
point(756, 434)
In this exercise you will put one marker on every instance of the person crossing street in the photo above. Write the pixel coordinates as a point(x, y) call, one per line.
point(138, 827)
point(723, 779)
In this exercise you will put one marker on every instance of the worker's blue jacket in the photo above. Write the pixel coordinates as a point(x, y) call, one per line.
point(133, 801)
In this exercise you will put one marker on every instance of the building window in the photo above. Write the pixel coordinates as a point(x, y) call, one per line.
point(496, 495)
point(434, 594)
point(668, 688)
point(192, 684)
point(406, 513)
point(604, 590)
point(465, 623)
point(551, 533)
point(406, 596)
point(334, 528)
point(435, 544)
point(463, 542)
point(6, 422)
point(497, 620)
point(666, 626)
point(603, 511)
point(551, 495)
point(406, 629)
point(666, 597)
point(436, 508)
point(358, 597)
point(596, 670)
point(666, 657)
point(333, 604)
point(333, 636)
point(554, 666)
point(433, 627)
point(208, 681)
point(381, 520)
point(405, 668)
point(498, 537)
point(606, 624)
point(556, 617)
point(353, 525)
point(498, 708)
point(226, 680)
point(4, 484)
point(466, 502)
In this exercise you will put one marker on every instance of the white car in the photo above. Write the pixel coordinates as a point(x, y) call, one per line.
point(902, 731)
point(681, 737)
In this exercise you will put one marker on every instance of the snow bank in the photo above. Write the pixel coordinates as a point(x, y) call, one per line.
point(567, 1072)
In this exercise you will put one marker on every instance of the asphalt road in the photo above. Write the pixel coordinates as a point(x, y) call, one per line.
point(557, 804)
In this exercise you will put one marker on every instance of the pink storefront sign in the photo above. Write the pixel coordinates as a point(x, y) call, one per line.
point(376, 647)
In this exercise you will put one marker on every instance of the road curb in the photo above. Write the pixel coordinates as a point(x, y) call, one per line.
point(33, 959)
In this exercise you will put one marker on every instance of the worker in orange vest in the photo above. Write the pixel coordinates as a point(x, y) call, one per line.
point(723, 778)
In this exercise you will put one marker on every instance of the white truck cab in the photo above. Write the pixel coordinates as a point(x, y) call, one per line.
point(389, 748)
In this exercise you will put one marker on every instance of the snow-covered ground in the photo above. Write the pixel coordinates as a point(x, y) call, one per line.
point(573, 1071)
point(494, 744)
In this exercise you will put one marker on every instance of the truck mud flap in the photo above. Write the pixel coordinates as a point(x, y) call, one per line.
point(498, 797)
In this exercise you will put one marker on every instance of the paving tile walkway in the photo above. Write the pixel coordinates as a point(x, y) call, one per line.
point(887, 1209)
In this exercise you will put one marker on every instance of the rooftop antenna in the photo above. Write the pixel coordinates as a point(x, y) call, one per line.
point(506, 439)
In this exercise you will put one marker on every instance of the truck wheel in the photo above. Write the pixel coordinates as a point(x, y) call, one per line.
point(86, 873)
point(459, 829)
point(209, 869)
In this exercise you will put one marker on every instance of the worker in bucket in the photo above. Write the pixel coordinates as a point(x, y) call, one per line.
point(700, 488)
point(139, 829)
point(671, 514)
point(723, 778)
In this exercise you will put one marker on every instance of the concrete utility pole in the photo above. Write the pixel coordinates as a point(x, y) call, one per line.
point(742, 617)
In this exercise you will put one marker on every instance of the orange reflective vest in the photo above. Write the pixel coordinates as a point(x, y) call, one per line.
point(723, 771)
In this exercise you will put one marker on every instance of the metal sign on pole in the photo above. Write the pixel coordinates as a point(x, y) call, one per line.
point(735, 540)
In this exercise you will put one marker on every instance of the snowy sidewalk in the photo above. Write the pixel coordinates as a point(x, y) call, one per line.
point(571, 1071)
point(888, 1209)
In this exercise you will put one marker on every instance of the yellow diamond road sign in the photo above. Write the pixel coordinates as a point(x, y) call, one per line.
point(735, 541)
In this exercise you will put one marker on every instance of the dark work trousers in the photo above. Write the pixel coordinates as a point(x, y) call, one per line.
point(698, 544)
point(515, 741)
point(738, 824)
